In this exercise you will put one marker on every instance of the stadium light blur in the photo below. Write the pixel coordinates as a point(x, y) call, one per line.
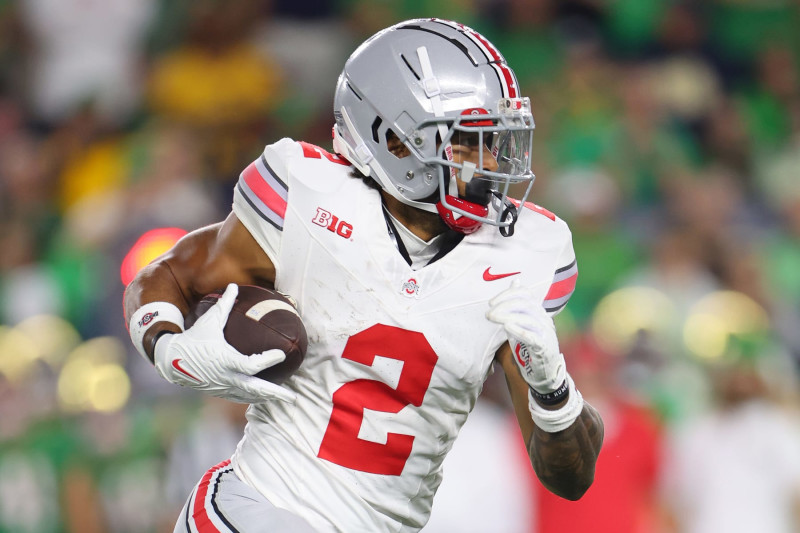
point(622, 314)
point(146, 248)
point(18, 354)
point(52, 336)
point(109, 388)
point(93, 378)
point(716, 317)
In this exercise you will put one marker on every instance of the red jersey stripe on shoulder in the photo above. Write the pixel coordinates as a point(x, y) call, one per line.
point(253, 178)
point(564, 282)
point(562, 288)
point(536, 208)
point(313, 151)
point(199, 513)
point(541, 210)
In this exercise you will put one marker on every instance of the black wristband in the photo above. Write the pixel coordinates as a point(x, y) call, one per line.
point(152, 350)
point(552, 398)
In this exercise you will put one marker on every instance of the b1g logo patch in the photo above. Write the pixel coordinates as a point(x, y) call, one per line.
point(147, 318)
point(328, 220)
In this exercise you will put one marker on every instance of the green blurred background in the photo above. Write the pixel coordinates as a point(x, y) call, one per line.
point(668, 136)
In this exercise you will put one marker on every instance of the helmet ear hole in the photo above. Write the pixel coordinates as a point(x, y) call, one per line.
point(396, 146)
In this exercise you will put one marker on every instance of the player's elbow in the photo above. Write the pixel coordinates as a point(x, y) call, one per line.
point(572, 488)
point(577, 491)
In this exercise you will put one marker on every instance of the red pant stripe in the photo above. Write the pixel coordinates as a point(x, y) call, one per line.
point(201, 519)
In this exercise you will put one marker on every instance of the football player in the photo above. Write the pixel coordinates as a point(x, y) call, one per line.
point(414, 272)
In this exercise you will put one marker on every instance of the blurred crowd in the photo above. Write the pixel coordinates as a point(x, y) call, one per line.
point(668, 136)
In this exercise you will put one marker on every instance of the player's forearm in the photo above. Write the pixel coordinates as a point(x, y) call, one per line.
point(205, 260)
point(155, 283)
point(565, 460)
point(177, 277)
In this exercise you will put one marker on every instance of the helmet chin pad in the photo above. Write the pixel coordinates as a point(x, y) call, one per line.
point(462, 224)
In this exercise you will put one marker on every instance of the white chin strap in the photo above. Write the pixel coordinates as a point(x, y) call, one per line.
point(359, 157)
point(432, 90)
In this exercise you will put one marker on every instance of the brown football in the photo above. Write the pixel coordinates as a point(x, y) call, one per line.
point(261, 319)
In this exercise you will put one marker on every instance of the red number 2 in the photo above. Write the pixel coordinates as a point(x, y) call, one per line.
point(341, 444)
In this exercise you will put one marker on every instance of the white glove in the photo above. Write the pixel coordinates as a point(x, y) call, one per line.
point(532, 336)
point(201, 358)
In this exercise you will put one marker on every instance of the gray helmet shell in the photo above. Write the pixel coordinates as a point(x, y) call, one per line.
point(386, 85)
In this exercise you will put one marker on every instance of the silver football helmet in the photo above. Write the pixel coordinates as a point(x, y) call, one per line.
point(434, 83)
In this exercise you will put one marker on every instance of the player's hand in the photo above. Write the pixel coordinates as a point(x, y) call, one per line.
point(201, 358)
point(532, 336)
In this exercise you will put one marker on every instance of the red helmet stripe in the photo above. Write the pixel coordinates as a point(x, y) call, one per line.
point(507, 79)
point(510, 87)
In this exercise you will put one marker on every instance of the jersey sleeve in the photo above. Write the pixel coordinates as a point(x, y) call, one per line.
point(564, 279)
point(261, 195)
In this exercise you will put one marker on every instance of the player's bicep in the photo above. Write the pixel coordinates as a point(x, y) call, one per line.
point(211, 257)
point(205, 260)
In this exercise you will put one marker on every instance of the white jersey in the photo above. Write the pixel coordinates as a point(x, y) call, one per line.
point(396, 357)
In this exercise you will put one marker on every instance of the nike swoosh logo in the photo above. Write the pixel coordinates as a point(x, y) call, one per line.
point(487, 276)
point(176, 364)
